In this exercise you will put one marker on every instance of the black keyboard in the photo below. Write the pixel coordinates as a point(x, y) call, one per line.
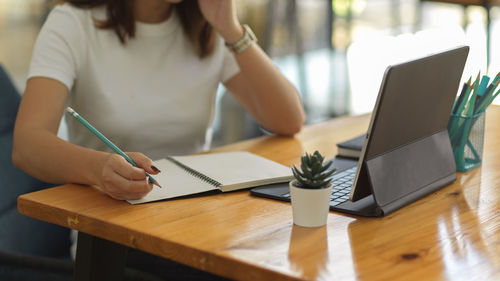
point(342, 183)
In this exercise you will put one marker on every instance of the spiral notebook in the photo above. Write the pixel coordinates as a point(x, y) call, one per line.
point(227, 171)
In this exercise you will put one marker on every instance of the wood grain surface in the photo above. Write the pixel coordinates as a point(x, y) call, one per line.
point(452, 234)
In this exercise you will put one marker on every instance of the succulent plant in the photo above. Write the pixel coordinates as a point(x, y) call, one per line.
point(315, 173)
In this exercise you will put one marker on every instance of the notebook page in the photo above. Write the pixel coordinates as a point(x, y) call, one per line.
point(175, 182)
point(237, 169)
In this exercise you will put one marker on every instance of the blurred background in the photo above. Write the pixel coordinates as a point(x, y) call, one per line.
point(334, 51)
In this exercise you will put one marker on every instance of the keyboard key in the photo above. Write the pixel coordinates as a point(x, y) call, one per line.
point(340, 175)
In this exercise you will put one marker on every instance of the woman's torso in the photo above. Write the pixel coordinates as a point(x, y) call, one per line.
point(152, 95)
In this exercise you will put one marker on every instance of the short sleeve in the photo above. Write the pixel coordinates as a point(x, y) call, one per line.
point(229, 65)
point(59, 47)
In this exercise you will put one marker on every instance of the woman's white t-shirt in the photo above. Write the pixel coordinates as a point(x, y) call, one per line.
point(152, 95)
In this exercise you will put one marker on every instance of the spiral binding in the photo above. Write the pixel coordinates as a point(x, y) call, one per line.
point(195, 173)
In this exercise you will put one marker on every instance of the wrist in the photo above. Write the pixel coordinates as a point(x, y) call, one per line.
point(234, 34)
point(244, 42)
point(98, 160)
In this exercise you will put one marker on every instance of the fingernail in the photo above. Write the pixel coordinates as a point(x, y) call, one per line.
point(155, 169)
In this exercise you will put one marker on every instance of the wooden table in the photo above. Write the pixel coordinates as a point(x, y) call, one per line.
point(452, 234)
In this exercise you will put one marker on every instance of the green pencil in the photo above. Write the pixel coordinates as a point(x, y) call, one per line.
point(465, 100)
point(494, 96)
point(456, 124)
point(107, 141)
point(472, 98)
point(469, 109)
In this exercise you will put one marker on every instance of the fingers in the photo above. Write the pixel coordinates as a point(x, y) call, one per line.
point(144, 162)
point(126, 170)
point(122, 181)
point(123, 189)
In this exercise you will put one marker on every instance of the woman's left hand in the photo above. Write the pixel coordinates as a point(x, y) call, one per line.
point(221, 14)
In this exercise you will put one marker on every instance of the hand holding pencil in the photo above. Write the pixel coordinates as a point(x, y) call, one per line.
point(119, 181)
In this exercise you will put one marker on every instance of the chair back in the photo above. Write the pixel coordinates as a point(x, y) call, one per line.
point(20, 234)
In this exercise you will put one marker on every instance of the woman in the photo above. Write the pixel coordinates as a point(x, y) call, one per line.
point(144, 72)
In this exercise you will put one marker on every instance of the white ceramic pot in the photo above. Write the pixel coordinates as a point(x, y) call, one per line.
point(310, 206)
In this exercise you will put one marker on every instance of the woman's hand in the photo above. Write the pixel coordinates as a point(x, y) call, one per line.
point(122, 181)
point(221, 14)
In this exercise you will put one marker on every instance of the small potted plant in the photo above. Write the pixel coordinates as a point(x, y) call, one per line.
point(310, 191)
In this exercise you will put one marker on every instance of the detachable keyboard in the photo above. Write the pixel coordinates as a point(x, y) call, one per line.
point(342, 183)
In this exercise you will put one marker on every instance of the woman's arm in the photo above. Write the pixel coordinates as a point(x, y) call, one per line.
point(259, 87)
point(38, 151)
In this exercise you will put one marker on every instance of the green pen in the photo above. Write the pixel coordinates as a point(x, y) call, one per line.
point(488, 97)
point(107, 141)
point(483, 103)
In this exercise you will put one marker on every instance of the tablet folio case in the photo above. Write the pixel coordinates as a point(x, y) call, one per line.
point(397, 181)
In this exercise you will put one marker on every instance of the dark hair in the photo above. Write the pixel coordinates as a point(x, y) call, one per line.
point(120, 18)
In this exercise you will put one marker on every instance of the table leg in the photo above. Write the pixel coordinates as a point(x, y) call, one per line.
point(98, 259)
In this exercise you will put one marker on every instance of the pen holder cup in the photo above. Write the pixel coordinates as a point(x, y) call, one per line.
point(467, 139)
